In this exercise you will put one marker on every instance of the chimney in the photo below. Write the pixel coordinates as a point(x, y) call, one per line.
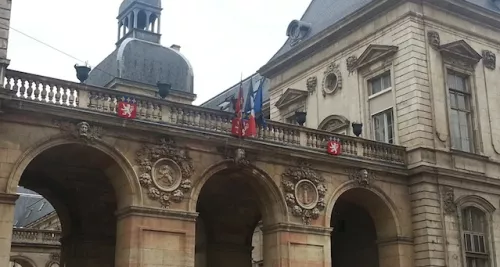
point(176, 47)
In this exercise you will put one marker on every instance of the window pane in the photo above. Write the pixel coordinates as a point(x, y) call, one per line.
point(464, 131)
point(461, 100)
point(390, 128)
point(477, 220)
point(378, 126)
point(455, 129)
point(376, 85)
point(387, 80)
point(453, 100)
point(460, 83)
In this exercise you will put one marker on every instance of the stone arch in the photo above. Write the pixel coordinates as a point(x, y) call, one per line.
point(388, 226)
point(334, 123)
point(23, 260)
point(270, 192)
point(475, 201)
point(128, 192)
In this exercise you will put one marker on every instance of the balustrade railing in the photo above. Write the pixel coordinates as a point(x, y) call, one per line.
point(20, 235)
point(65, 93)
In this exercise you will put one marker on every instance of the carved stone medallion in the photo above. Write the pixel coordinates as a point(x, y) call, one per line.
point(434, 39)
point(351, 63)
point(489, 59)
point(165, 171)
point(362, 177)
point(332, 81)
point(82, 130)
point(304, 192)
point(312, 83)
point(448, 196)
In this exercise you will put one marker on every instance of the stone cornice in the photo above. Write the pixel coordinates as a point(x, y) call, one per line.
point(396, 240)
point(156, 213)
point(8, 198)
point(296, 228)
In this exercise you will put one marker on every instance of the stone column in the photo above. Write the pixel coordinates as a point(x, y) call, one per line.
point(395, 252)
point(7, 206)
point(296, 245)
point(155, 237)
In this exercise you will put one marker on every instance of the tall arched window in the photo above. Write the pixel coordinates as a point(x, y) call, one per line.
point(475, 237)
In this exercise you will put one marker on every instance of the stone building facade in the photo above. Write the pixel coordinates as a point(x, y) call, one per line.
point(171, 187)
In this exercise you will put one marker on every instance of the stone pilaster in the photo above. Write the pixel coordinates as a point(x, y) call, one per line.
point(155, 237)
point(429, 246)
point(7, 206)
point(5, 7)
point(296, 245)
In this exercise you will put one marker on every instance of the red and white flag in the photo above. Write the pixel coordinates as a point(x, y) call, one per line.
point(127, 110)
point(237, 123)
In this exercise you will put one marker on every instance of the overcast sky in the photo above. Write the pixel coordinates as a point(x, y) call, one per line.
point(221, 38)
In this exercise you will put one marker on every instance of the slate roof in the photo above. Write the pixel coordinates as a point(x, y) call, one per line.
point(30, 206)
point(233, 91)
point(321, 14)
point(492, 5)
point(144, 62)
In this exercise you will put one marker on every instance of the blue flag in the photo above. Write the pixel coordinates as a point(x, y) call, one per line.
point(249, 104)
point(259, 116)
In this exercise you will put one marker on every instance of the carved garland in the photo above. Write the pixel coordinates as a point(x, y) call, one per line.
point(332, 81)
point(166, 171)
point(351, 63)
point(304, 192)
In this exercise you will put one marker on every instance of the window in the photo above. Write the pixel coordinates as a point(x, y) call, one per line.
point(380, 83)
point(460, 111)
point(474, 231)
point(383, 126)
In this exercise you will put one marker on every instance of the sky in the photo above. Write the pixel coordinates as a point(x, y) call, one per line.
point(222, 39)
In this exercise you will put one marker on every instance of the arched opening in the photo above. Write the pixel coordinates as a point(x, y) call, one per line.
point(142, 20)
point(232, 205)
point(152, 22)
point(79, 181)
point(361, 222)
point(20, 262)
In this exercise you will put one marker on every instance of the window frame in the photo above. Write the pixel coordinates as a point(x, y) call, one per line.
point(384, 112)
point(487, 209)
point(379, 75)
point(474, 135)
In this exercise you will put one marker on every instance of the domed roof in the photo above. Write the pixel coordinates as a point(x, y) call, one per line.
point(126, 3)
point(144, 62)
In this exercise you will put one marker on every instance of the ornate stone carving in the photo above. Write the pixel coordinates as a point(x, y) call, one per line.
point(304, 192)
point(448, 196)
point(82, 130)
point(434, 39)
point(332, 81)
point(165, 171)
point(55, 256)
point(362, 177)
point(312, 84)
point(240, 157)
point(351, 63)
point(489, 59)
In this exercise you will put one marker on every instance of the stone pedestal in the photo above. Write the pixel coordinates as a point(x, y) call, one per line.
point(155, 237)
point(7, 205)
point(296, 245)
point(396, 252)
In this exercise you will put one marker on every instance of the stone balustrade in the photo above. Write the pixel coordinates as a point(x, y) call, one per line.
point(65, 93)
point(35, 236)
